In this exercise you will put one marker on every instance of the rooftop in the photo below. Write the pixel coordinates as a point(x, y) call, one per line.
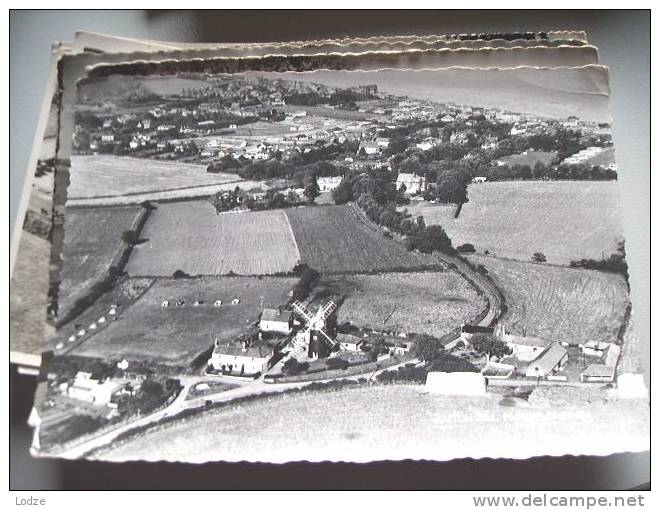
point(550, 358)
point(275, 315)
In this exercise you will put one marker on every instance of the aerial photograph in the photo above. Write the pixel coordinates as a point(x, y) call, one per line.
point(344, 266)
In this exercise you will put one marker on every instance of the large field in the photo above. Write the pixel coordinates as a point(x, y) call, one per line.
point(430, 302)
point(559, 303)
point(177, 334)
point(190, 236)
point(390, 422)
point(112, 176)
point(336, 239)
point(529, 158)
point(565, 220)
point(92, 237)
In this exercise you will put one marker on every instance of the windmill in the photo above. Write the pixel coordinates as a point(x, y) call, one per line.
point(314, 322)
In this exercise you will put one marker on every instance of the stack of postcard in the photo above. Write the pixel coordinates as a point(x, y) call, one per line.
point(346, 250)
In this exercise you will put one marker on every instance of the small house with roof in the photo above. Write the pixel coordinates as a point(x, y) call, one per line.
point(274, 320)
point(350, 343)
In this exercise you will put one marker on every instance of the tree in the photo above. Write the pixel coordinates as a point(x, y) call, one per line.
point(293, 367)
point(539, 257)
point(312, 190)
point(337, 363)
point(428, 348)
point(434, 238)
point(466, 248)
point(489, 346)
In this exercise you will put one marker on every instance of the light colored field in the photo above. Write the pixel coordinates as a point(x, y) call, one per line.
point(173, 195)
point(530, 158)
point(559, 303)
point(111, 176)
point(177, 334)
point(603, 158)
point(433, 213)
point(92, 237)
point(191, 237)
point(390, 422)
point(336, 239)
point(565, 220)
point(431, 302)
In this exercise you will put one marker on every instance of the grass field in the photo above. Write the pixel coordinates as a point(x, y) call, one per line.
point(433, 213)
point(529, 158)
point(111, 176)
point(175, 335)
point(559, 303)
point(390, 422)
point(191, 237)
point(92, 237)
point(565, 220)
point(431, 302)
point(335, 239)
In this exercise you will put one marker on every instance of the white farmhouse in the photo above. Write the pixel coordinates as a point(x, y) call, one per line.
point(350, 342)
point(277, 321)
point(244, 357)
point(414, 183)
point(328, 183)
point(93, 391)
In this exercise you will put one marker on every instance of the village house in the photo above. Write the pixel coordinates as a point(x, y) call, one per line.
point(458, 138)
point(246, 356)
point(276, 321)
point(426, 144)
point(328, 183)
point(369, 147)
point(350, 343)
point(551, 361)
point(414, 183)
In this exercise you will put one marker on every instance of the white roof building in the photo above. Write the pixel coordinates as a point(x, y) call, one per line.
point(414, 183)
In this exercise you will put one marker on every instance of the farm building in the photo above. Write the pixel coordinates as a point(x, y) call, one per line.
point(328, 183)
point(526, 347)
point(456, 383)
point(93, 391)
point(399, 348)
point(594, 348)
point(276, 320)
point(350, 342)
point(598, 373)
point(548, 363)
point(414, 183)
point(246, 356)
